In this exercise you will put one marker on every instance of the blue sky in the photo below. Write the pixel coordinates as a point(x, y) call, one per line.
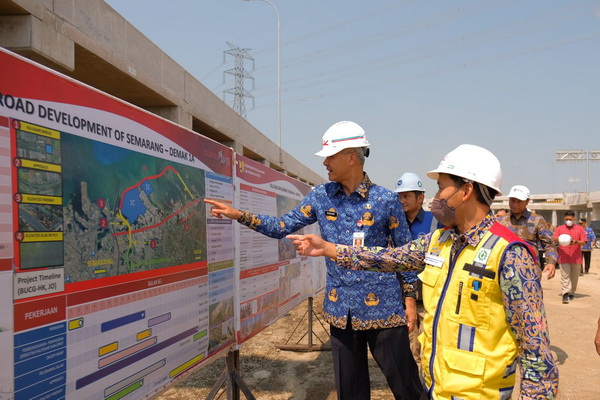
point(519, 78)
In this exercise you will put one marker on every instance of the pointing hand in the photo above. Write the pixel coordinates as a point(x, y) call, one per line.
point(219, 210)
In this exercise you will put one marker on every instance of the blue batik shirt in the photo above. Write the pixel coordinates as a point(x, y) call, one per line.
point(591, 238)
point(372, 299)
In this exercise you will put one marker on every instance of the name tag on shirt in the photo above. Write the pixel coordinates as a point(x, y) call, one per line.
point(358, 239)
point(434, 260)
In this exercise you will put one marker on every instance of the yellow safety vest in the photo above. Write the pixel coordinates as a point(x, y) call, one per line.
point(469, 350)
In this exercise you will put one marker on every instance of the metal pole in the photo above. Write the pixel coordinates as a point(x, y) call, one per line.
point(587, 175)
point(310, 321)
point(278, 77)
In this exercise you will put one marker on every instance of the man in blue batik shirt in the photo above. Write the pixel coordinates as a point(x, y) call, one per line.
point(362, 308)
point(587, 248)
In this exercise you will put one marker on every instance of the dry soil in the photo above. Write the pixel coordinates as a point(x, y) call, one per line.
point(274, 374)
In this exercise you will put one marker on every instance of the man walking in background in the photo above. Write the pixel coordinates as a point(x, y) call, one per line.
point(530, 227)
point(586, 250)
point(570, 238)
point(364, 309)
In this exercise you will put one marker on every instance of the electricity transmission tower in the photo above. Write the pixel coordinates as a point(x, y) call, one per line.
point(238, 91)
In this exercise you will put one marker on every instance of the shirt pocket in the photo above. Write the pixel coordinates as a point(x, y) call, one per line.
point(463, 373)
point(469, 301)
point(429, 277)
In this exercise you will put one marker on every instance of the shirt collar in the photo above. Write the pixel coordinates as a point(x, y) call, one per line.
point(525, 215)
point(362, 190)
point(473, 236)
point(420, 215)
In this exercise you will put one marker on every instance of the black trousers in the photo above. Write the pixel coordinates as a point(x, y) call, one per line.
point(391, 350)
point(587, 258)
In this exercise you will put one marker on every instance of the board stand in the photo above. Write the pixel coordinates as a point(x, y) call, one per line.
point(310, 333)
point(232, 378)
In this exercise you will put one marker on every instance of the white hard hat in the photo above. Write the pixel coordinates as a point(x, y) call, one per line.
point(473, 163)
point(565, 239)
point(409, 182)
point(519, 192)
point(342, 135)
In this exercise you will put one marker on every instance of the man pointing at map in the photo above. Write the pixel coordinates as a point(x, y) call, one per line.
point(362, 308)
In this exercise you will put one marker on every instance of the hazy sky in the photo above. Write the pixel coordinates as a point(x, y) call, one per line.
point(521, 78)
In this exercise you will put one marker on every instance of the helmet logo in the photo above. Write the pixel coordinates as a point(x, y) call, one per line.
point(326, 143)
point(420, 184)
point(400, 182)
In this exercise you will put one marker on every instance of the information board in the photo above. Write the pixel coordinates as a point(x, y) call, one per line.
point(115, 279)
point(273, 278)
point(120, 281)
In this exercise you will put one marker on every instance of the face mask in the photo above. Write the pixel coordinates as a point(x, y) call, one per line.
point(568, 223)
point(443, 212)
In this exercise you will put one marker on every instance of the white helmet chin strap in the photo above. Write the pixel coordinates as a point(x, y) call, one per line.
point(485, 191)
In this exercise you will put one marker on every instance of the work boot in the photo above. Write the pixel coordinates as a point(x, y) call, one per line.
point(566, 298)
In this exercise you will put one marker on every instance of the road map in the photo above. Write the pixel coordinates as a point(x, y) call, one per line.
point(117, 211)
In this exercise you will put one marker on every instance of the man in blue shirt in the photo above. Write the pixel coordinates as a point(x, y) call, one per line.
point(412, 194)
point(363, 308)
point(420, 222)
point(586, 250)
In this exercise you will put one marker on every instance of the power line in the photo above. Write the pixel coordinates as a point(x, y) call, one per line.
point(445, 47)
point(238, 91)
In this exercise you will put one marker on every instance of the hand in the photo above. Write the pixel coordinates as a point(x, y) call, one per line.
point(219, 210)
point(411, 313)
point(551, 270)
point(313, 246)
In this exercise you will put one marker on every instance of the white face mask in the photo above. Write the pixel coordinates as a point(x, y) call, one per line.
point(569, 222)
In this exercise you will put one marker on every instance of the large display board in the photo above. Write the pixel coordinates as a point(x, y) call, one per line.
point(120, 281)
point(273, 278)
point(115, 280)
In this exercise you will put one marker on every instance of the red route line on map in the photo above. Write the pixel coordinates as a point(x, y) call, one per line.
point(158, 224)
point(137, 185)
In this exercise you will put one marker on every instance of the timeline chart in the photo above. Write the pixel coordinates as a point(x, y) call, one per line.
point(102, 343)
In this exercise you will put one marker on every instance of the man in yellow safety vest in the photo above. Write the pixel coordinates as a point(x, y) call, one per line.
point(481, 289)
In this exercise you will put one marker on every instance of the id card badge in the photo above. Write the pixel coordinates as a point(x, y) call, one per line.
point(358, 239)
point(434, 260)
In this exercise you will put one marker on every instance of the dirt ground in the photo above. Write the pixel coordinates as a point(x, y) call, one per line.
point(274, 374)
